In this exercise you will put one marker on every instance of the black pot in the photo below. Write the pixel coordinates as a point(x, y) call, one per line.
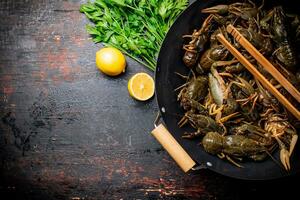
point(170, 61)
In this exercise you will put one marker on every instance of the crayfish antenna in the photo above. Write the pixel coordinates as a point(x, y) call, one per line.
point(183, 85)
point(233, 162)
point(182, 76)
point(222, 156)
point(269, 154)
point(182, 121)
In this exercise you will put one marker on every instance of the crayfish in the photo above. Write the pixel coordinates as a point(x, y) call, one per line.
point(278, 30)
point(232, 113)
point(235, 147)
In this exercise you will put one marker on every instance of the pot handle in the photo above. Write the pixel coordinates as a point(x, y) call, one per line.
point(174, 149)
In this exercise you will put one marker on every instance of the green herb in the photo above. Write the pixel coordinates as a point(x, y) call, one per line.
point(136, 27)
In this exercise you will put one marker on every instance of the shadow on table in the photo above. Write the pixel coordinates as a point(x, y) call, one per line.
point(228, 188)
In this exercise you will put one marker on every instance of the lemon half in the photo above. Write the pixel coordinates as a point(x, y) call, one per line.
point(110, 61)
point(141, 86)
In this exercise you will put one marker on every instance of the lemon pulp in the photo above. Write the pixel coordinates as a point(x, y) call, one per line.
point(141, 86)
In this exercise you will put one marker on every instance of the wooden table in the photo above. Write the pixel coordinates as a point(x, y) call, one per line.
point(69, 132)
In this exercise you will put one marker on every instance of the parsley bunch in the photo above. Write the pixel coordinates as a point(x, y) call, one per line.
point(136, 27)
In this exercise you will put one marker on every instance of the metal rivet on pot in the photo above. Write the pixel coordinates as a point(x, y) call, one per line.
point(209, 164)
point(163, 109)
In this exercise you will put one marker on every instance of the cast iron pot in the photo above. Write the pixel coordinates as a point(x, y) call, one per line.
point(170, 61)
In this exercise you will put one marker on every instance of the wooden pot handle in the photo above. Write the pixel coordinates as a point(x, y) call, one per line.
point(173, 148)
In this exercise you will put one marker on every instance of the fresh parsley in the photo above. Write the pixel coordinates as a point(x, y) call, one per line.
point(136, 27)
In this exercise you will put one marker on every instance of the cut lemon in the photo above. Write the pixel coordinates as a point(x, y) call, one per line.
point(110, 61)
point(141, 86)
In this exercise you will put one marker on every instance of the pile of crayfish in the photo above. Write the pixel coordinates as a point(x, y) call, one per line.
point(233, 115)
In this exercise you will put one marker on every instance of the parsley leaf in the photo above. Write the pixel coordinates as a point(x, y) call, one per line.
point(136, 27)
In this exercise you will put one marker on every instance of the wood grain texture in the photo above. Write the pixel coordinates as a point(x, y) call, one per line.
point(69, 132)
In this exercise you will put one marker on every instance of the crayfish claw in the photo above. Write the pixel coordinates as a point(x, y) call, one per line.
point(191, 135)
point(293, 144)
point(219, 9)
point(285, 159)
point(284, 153)
point(230, 116)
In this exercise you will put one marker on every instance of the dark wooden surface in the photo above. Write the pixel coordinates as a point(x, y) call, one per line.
point(69, 132)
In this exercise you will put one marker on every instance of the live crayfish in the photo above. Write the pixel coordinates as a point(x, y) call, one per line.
point(278, 30)
point(284, 133)
point(235, 147)
point(238, 9)
point(196, 45)
point(232, 114)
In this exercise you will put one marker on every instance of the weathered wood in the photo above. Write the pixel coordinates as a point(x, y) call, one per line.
point(69, 132)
